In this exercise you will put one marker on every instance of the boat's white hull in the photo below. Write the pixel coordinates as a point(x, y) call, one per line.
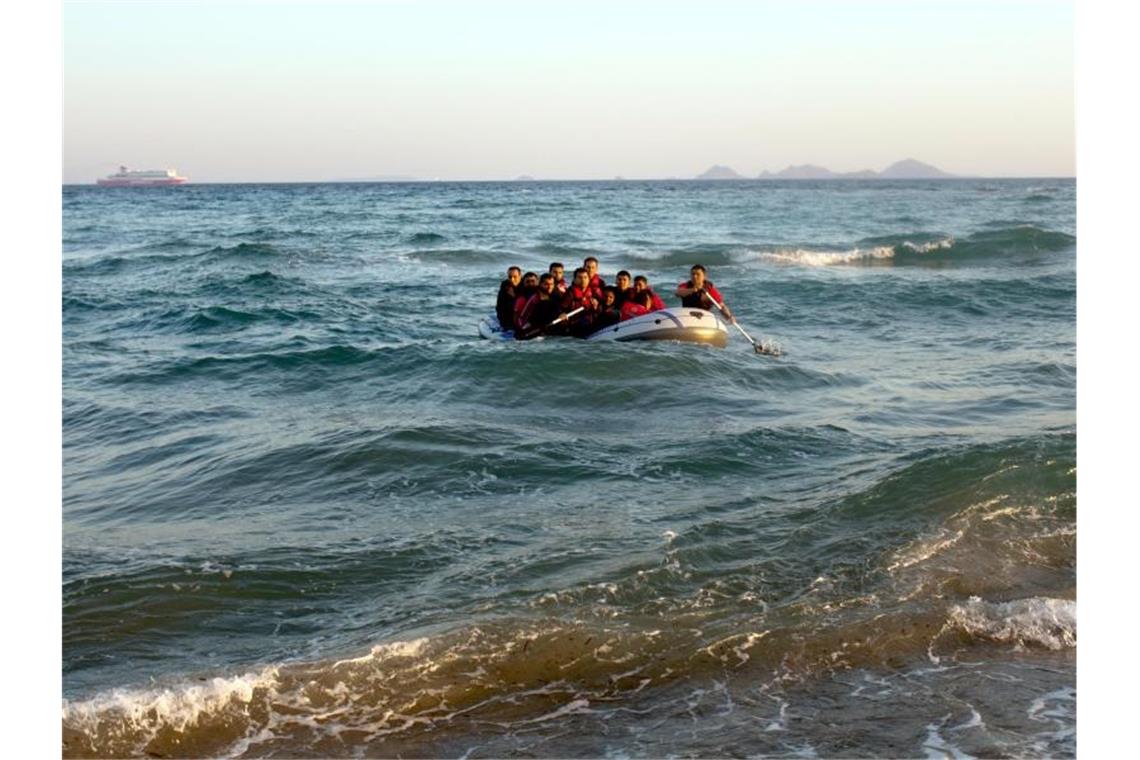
point(489, 329)
point(680, 323)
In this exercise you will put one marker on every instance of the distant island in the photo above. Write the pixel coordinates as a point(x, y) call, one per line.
point(720, 172)
point(908, 168)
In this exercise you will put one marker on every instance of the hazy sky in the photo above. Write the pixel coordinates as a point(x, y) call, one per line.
point(492, 90)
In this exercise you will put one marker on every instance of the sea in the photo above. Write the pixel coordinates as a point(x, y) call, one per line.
point(308, 512)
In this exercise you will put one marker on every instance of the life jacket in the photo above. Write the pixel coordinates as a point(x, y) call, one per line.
point(631, 309)
point(575, 297)
point(701, 300)
point(597, 284)
point(658, 304)
point(520, 302)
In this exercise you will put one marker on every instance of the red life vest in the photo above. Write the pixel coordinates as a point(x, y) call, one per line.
point(630, 309)
point(701, 300)
point(576, 297)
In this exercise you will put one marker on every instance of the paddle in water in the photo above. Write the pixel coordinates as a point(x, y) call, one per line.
point(760, 348)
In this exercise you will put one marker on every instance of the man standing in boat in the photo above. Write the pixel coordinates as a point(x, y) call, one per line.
point(696, 292)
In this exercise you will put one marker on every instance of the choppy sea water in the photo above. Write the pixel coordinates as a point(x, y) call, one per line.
point(307, 512)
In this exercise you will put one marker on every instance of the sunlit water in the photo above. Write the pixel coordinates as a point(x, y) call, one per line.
point(308, 512)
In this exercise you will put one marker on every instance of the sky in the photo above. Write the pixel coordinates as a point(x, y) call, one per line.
point(574, 90)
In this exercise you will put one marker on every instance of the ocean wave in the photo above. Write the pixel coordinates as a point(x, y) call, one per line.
point(1041, 622)
point(426, 238)
point(928, 248)
point(471, 256)
point(515, 675)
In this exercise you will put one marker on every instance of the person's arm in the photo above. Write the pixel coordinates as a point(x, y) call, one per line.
point(712, 292)
point(684, 290)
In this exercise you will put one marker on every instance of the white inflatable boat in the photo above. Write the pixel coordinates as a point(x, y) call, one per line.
point(679, 323)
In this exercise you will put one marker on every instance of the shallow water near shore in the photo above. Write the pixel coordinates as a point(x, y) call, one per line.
point(307, 512)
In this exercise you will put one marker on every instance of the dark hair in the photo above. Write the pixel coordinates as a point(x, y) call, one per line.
point(641, 278)
point(531, 274)
point(513, 269)
point(579, 269)
point(588, 259)
point(611, 289)
point(555, 264)
point(544, 277)
point(695, 267)
point(619, 274)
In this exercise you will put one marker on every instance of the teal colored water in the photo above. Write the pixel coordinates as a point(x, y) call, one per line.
point(308, 512)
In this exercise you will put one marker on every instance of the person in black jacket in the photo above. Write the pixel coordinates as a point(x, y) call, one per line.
point(505, 304)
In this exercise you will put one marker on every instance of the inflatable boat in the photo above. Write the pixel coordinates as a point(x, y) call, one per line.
point(679, 323)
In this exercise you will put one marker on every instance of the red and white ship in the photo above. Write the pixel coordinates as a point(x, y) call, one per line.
point(144, 178)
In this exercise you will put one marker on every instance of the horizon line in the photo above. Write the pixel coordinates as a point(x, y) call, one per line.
point(531, 180)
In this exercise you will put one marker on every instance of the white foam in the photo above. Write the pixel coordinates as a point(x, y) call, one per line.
point(1038, 621)
point(933, 245)
point(180, 707)
point(924, 550)
point(823, 258)
point(828, 258)
point(936, 746)
point(410, 648)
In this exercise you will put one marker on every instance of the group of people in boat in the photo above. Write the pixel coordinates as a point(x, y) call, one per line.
point(531, 304)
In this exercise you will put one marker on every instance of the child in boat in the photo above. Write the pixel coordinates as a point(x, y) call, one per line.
point(696, 292)
point(505, 303)
point(558, 271)
point(610, 313)
point(641, 285)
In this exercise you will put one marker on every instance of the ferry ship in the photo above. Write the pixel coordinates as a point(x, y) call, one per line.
point(145, 178)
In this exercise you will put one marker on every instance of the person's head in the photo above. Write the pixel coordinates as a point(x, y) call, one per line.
point(640, 283)
point(581, 277)
point(514, 275)
point(697, 276)
point(591, 266)
point(557, 270)
point(546, 283)
point(530, 280)
point(623, 280)
point(610, 294)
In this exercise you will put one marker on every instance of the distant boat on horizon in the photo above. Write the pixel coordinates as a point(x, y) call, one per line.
point(142, 178)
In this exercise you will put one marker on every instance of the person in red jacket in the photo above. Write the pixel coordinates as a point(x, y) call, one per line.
point(641, 285)
point(697, 290)
point(581, 295)
point(596, 281)
point(636, 305)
